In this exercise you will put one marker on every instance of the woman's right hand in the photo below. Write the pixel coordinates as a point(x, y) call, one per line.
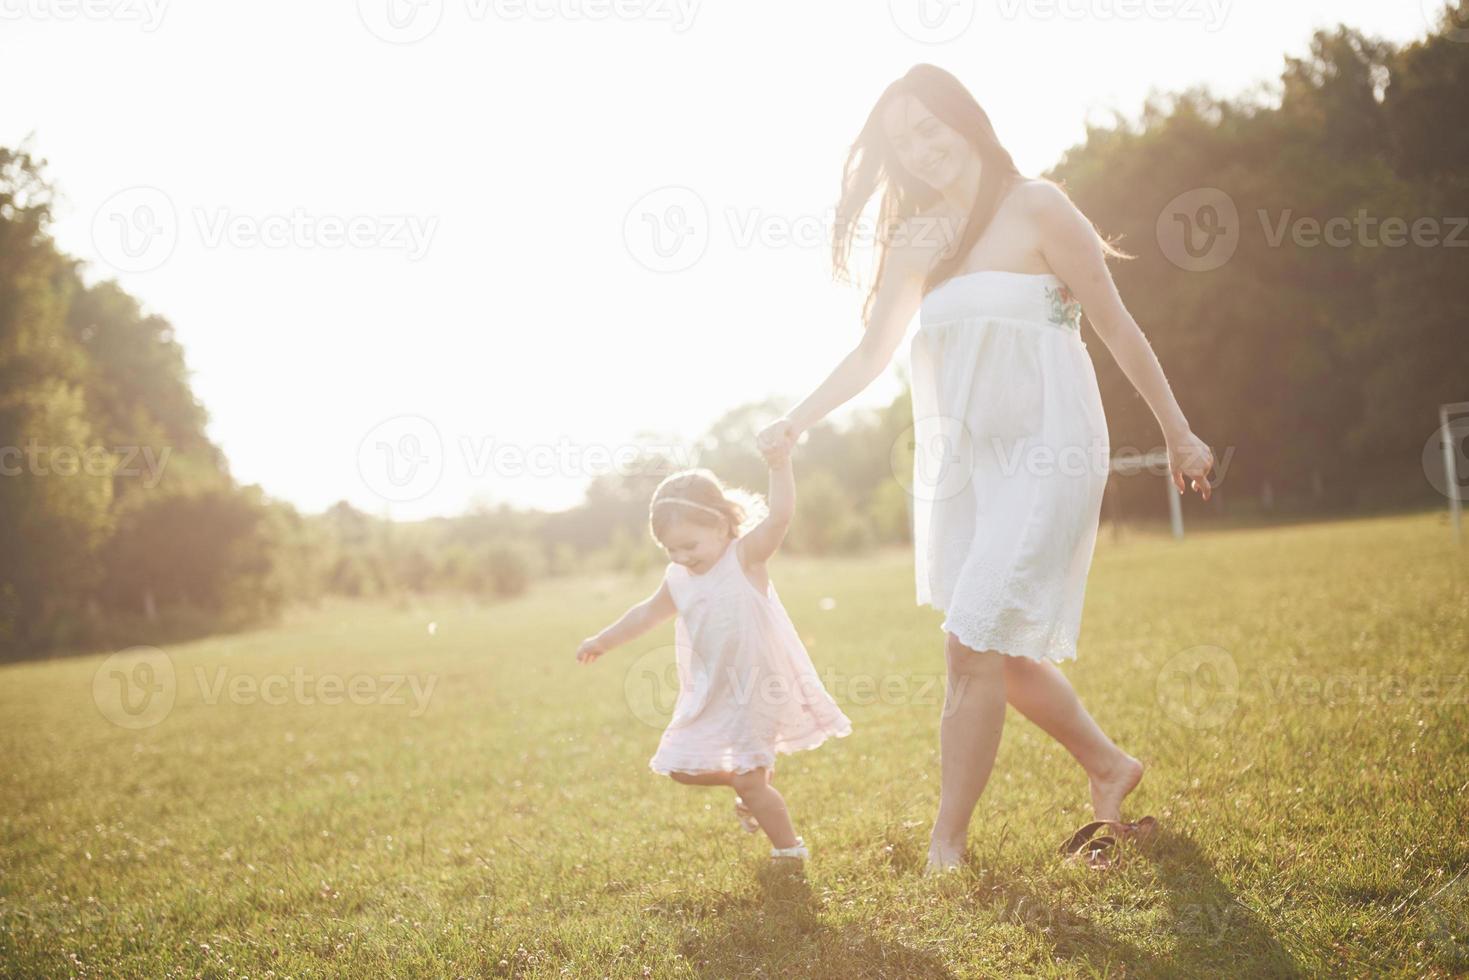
point(776, 440)
point(1190, 459)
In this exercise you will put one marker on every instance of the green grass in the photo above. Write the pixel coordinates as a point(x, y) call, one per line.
point(1311, 823)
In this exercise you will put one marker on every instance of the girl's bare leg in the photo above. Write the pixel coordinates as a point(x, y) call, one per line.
point(969, 736)
point(766, 803)
point(1042, 693)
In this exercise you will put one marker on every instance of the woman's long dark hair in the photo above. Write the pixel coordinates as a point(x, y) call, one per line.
point(871, 163)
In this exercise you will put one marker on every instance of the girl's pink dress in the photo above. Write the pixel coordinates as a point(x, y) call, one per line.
point(747, 687)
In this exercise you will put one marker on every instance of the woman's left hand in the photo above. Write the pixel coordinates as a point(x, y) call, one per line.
point(1190, 460)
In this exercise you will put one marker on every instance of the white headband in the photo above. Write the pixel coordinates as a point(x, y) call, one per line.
point(690, 503)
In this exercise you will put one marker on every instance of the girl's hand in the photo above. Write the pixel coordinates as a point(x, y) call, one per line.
point(776, 440)
point(778, 458)
point(1190, 459)
point(591, 648)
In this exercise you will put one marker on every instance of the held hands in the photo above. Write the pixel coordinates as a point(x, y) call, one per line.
point(776, 441)
point(1190, 459)
point(591, 648)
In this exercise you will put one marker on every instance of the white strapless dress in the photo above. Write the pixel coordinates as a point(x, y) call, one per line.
point(1011, 456)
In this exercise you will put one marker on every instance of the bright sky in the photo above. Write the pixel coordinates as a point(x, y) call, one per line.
point(408, 245)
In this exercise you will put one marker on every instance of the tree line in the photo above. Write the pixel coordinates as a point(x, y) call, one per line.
point(1313, 357)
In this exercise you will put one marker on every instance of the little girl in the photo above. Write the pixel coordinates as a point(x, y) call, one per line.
point(747, 688)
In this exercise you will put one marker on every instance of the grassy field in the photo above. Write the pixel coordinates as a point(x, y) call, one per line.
point(441, 790)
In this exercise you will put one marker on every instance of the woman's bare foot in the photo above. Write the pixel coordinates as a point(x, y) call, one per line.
point(943, 856)
point(1109, 789)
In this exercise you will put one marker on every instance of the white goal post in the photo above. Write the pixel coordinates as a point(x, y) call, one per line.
point(1453, 420)
point(1131, 463)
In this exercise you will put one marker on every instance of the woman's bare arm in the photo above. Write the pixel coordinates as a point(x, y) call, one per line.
point(1074, 252)
point(897, 299)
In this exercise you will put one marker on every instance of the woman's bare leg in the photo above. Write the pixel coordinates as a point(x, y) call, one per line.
point(969, 737)
point(766, 803)
point(1042, 693)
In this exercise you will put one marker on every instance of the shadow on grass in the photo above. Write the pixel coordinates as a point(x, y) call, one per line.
point(1195, 928)
point(779, 932)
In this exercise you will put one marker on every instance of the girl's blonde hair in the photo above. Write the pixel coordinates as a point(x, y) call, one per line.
point(699, 497)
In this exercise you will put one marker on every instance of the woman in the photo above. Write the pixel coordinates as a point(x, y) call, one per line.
point(1011, 446)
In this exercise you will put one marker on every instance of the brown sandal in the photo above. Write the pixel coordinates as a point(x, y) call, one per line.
point(1101, 852)
point(1098, 853)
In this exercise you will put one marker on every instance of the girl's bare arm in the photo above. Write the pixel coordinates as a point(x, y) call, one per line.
point(657, 608)
point(765, 539)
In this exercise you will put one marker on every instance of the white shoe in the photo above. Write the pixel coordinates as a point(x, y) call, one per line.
point(747, 820)
point(798, 852)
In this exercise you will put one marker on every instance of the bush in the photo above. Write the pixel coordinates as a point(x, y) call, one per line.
point(507, 568)
point(826, 520)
